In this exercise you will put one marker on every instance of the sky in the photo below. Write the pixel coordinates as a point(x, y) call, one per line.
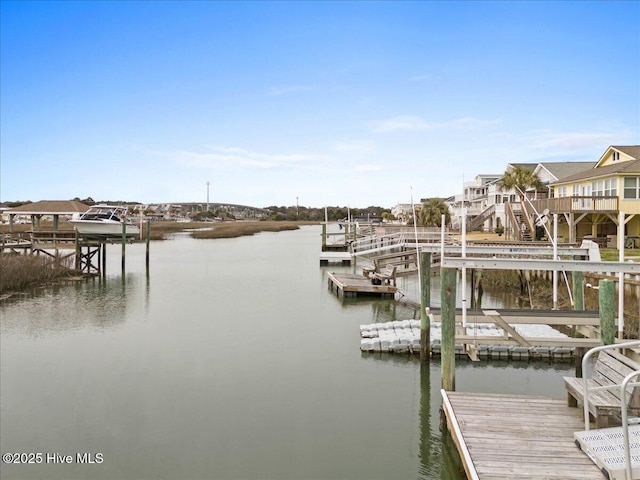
point(313, 103)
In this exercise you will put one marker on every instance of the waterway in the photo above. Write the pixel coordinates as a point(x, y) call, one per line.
point(230, 359)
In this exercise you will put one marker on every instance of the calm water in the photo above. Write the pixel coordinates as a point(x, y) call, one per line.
point(231, 360)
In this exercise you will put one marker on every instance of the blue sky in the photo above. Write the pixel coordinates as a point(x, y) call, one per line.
point(333, 103)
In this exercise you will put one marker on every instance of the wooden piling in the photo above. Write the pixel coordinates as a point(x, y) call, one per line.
point(148, 231)
point(606, 294)
point(124, 242)
point(324, 236)
point(103, 270)
point(78, 252)
point(448, 304)
point(577, 290)
point(425, 302)
point(577, 287)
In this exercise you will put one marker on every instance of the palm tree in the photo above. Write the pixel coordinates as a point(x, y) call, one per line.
point(520, 179)
point(431, 213)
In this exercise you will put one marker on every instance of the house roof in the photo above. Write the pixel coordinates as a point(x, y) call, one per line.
point(50, 207)
point(528, 166)
point(562, 170)
point(631, 150)
point(628, 167)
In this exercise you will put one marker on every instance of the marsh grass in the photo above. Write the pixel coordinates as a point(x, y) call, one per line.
point(211, 230)
point(540, 293)
point(612, 255)
point(19, 272)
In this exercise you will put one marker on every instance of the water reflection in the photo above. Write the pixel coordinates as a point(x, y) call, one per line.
point(231, 360)
point(99, 303)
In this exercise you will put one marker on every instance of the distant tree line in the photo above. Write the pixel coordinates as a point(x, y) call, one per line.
point(312, 214)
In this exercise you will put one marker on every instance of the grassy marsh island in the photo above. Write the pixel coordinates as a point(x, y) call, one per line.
point(21, 272)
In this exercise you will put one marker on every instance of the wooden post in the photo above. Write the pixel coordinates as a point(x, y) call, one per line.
point(577, 288)
point(78, 252)
point(324, 236)
point(148, 238)
point(104, 258)
point(124, 242)
point(448, 312)
point(426, 449)
point(425, 302)
point(606, 294)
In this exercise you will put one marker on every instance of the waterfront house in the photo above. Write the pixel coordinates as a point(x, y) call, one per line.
point(596, 201)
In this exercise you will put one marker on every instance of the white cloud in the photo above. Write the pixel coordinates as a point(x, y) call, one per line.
point(572, 141)
point(239, 157)
point(413, 123)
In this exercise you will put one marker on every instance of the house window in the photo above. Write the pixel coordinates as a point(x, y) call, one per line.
point(598, 188)
point(616, 156)
point(632, 188)
point(607, 188)
point(561, 191)
point(611, 187)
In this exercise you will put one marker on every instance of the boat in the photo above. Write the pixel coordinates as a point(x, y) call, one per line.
point(105, 221)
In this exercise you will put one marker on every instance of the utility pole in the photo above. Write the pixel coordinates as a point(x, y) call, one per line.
point(208, 195)
point(297, 213)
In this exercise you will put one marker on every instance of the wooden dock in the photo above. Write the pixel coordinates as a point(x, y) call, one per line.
point(343, 258)
point(517, 436)
point(351, 285)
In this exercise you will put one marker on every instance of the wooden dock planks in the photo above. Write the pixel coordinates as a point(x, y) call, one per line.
point(516, 436)
point(351, 285)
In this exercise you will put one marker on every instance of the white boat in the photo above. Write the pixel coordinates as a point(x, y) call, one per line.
point(104, 221)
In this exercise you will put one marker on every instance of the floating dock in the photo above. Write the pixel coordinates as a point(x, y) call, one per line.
point(351, 285)
point(403, 336)
point(343, 258)
point(516, 436)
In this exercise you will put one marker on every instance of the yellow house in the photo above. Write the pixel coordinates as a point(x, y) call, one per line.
point(596, 201)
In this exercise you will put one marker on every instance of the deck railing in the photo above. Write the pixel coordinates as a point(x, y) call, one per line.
point(578, 204)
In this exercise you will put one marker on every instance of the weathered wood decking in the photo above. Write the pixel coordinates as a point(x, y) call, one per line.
point(516, 436)
point(343, 258)
point(351, 285)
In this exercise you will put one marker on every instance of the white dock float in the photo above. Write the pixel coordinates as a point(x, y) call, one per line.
point(605, 446)
point(404, 336)
point(343, 258)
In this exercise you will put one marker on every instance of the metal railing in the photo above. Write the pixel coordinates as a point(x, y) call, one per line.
point(625, 421)
point(585, 387)
point(395, 240)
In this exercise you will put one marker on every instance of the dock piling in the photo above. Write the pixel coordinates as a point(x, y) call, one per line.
point(577, 284)
point(124, 242)
point(448, 302)
point(148, 232)
point(425, 303)
point(606, 294)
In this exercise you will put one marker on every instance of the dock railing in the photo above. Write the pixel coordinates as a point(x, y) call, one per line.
point(625, 421)
point(374, 243)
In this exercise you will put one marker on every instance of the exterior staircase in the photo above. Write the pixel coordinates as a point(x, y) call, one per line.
point(478, 221)
point(522, 225)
